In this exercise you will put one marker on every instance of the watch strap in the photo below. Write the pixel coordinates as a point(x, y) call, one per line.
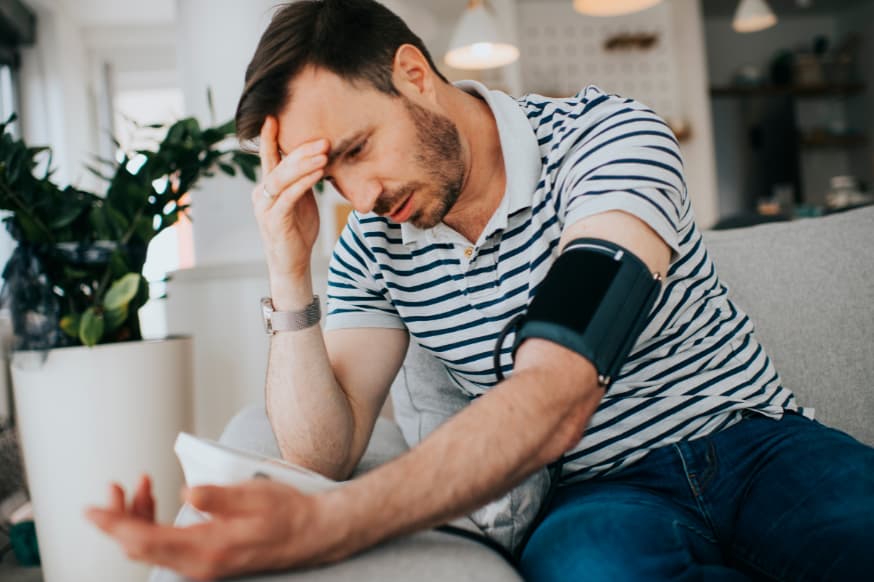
point(295, 320)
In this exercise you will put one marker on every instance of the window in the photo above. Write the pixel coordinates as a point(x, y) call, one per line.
point(8, 96)
point(174, 248)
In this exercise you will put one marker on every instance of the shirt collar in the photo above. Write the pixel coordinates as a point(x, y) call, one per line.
point(521, 161)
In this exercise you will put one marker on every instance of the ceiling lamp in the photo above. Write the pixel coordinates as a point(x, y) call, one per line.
point(478, 42)
point(752, 16)
point(612, 7)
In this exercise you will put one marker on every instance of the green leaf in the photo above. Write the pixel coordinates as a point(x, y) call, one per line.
point(122, 291)
point(117, 264)
point(169, 219)
point(66, 214)
point(115, 317)
point(227, 128)
point(227, 169)
point(91, 327)
point(145, 228)
point(143, 293)
point(71, 273)
point(101, 227)
point(212, 136)
point(118, 221)
point(249, 172)
point(70, 324)
point(32, 232)
point(15, 163)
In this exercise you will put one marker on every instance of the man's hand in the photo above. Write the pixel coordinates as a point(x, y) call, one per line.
point(260, 525)
point(287, 213)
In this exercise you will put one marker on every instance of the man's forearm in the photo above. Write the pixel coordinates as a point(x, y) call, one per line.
point(475, 457)
point(308, 410)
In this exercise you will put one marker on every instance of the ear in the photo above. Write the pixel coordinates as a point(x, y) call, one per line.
point(412, 75)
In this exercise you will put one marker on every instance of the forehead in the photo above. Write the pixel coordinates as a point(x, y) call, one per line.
point(323, 105)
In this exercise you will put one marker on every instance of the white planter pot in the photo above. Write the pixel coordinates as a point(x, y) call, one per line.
point(89, 416)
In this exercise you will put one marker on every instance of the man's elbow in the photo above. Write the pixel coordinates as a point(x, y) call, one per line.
point(570, 428)
point(574, 392)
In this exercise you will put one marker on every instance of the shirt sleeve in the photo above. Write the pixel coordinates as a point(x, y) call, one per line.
point(357, 295)
point(624, 157)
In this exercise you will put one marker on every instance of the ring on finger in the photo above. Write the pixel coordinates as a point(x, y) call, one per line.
point(267, 193)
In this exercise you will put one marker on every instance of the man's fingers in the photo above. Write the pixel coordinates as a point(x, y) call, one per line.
point(145, 541)
point(225, 500)
point(291, 195)
point(143, 505)
point(203, 551)
point(269, 147)
point(308, 157)
point(116, 497)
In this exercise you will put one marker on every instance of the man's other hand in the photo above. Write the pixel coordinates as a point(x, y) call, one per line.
point(259, 525)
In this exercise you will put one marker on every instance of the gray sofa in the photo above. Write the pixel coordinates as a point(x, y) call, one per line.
point(808, 286)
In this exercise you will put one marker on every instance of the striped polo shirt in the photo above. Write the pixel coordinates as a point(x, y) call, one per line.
point(697, 363)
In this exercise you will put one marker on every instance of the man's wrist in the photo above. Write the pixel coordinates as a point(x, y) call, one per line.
point(292, 295)
point(340, 520)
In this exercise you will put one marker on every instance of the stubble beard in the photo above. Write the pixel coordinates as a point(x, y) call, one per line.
point(439, 157)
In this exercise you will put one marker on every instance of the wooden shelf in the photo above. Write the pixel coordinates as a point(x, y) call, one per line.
point(794, 90)
point(833, 141)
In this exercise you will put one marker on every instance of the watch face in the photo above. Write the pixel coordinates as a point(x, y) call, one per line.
point(266, 312)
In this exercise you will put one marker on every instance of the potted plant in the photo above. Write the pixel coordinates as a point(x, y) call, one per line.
point(95, 403)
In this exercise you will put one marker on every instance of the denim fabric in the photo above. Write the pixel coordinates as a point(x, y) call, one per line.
point(765, 499)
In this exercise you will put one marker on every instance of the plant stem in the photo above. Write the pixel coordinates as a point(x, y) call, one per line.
point(22, 208)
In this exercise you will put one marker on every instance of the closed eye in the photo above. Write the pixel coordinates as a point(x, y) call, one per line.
point(356, 151)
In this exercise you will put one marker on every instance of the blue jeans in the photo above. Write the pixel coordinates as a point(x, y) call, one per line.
point(764, 499)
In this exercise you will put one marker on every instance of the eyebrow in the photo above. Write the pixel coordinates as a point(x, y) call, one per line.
point(346, 144)
point(342, 147)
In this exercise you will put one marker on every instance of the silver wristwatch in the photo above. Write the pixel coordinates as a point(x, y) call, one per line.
point(289, 320)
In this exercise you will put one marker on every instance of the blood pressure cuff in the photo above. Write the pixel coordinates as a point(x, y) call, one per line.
point(595, 300)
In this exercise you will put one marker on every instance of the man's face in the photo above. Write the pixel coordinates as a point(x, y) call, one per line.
point(388, 155)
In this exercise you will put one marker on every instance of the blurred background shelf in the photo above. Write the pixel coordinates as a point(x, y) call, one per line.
point(831, 90)
point(833, 141)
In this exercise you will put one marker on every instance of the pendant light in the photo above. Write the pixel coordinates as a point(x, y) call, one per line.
point(752, 16)
point(478, 42)
point(612, 7)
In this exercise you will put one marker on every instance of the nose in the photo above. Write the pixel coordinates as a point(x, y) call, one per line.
point(362, 193)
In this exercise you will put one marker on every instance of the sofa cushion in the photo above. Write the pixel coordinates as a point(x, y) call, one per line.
point(808, 287)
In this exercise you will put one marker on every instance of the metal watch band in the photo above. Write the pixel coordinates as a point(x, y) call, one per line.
point(275, 321)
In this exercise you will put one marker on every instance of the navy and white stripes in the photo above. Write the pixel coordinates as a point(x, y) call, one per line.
point(697, 363)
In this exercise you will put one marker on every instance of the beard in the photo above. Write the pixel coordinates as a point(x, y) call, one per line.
point(439, 157)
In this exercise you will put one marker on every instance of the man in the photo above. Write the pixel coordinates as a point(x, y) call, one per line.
point(691, 462)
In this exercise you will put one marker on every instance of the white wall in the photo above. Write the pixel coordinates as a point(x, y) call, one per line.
point(62, 75)
point(58, 108)
point(216, 39)
point(562, 51)
point(699, 154)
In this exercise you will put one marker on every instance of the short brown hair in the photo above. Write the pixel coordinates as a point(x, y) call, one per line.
point(354, 39)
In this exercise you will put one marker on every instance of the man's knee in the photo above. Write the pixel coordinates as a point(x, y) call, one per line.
point(616, 541)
